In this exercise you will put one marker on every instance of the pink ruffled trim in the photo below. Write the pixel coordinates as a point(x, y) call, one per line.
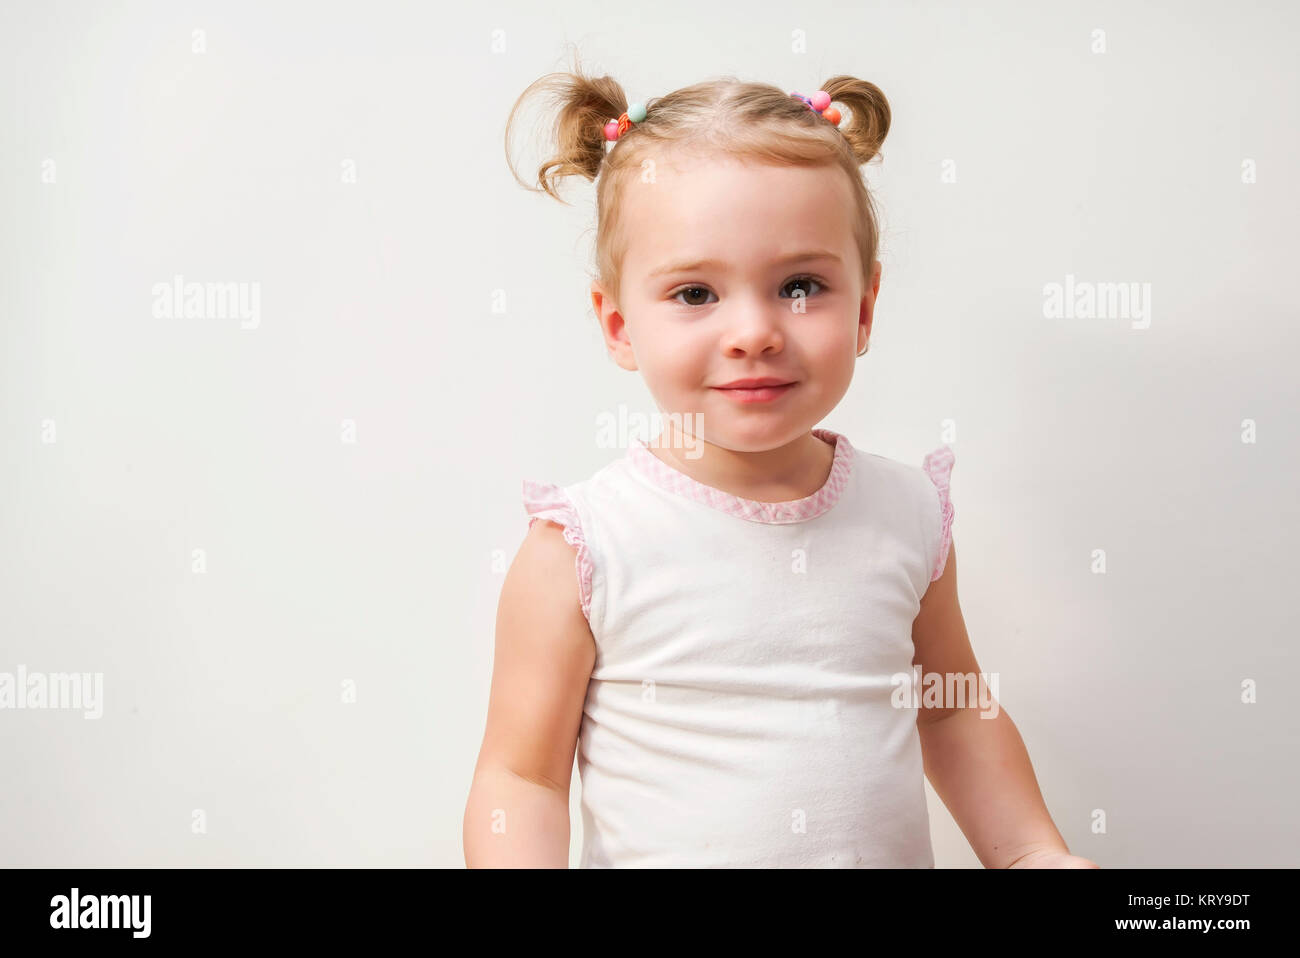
point(542, 500)
point(938, 466)
point(794, 510)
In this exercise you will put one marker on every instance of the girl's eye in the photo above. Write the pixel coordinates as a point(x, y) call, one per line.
point(700, 290)
point(687, 290)
point(805, 280)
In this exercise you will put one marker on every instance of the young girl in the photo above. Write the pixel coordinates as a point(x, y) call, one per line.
point(719, 620)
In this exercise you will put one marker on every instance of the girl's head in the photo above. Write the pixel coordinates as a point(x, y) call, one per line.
point(735, 239)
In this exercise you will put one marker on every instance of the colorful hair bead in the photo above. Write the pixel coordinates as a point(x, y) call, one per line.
point(820, 103)
point(616, 128)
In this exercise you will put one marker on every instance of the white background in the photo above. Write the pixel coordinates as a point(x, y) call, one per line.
point(379, 562)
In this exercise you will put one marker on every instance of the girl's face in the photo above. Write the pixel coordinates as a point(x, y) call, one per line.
point(737, 271)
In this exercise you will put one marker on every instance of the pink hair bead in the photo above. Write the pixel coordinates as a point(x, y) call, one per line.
point(611, 130)
point(821, 100)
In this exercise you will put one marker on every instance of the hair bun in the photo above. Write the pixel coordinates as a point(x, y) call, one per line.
point(869, 114)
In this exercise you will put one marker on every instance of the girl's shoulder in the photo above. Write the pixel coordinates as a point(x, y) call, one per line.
point(568, 507)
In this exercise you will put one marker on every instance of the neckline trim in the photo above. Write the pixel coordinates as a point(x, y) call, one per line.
point(674, 480)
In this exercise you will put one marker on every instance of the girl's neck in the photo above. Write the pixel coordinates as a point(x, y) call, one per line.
point(793, 471)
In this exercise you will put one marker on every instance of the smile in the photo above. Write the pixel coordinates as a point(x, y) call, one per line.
point(755, 393)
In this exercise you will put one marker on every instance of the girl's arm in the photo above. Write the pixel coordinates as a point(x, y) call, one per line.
point(517, 814)
point(978, 765)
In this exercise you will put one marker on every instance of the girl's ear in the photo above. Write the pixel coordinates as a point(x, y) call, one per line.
point(867, 309)
point(866, 313)
point(597, 297)
point(612, 327)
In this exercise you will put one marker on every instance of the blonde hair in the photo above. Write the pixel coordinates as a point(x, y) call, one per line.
point(746, 120)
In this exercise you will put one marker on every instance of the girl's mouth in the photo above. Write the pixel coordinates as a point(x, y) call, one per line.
point(754, 394)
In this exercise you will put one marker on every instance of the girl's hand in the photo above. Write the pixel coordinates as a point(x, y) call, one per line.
point(1051, 858)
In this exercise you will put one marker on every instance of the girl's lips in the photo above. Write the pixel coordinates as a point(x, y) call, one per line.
point(755, 393)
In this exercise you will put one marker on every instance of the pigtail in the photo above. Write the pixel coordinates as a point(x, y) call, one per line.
point(868, 121)
point(582, 105)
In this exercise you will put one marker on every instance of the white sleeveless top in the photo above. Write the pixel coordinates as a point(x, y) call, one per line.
point(739, 709)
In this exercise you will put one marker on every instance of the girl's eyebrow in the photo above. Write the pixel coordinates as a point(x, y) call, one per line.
point(687, 266)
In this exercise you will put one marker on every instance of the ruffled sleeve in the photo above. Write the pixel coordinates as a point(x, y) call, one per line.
point(938, 466)
point(542, 500)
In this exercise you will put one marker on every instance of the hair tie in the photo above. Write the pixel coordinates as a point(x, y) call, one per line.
point(616, 128)
point(820, 103)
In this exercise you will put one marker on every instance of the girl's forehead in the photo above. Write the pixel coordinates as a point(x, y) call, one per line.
point(685, 186)
point(733, 209)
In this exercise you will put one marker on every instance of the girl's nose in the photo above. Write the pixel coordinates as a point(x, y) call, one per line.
point(753, 329)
